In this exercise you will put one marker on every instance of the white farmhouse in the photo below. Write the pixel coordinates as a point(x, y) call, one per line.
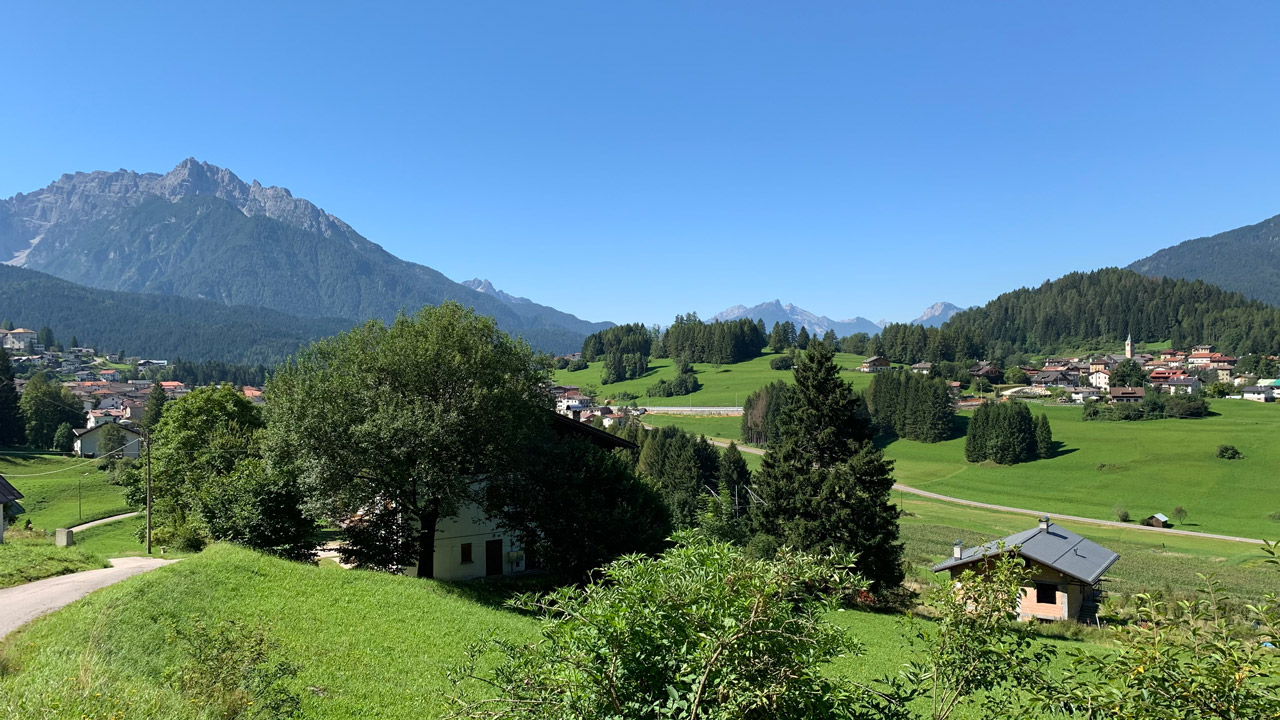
point(87, 440)
point(470, 545)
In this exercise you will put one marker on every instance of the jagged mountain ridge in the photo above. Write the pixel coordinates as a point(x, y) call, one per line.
point(936, 314)
point(1245, 260)
point(200, 232)
point(487, 287)
point(775, 311)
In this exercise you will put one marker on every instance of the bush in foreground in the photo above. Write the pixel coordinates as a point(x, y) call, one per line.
point(702, 631)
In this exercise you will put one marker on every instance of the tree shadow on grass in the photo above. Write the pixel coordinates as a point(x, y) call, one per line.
point(496, 592)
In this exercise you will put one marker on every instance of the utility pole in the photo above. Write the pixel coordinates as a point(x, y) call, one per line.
point(146, 437)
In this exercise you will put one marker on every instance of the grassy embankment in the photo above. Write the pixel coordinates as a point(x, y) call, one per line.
point(369, 644)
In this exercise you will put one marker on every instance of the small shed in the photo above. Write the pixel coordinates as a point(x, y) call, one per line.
point(1159, 520)
point(9, 497)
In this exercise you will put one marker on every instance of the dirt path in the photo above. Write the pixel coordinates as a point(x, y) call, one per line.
point(24, 603)
point(1025, 511)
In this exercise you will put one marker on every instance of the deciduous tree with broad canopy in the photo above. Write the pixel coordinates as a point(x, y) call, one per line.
point(407, 421)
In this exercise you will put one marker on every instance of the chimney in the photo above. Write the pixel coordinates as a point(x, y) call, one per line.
point(957, 549)
point(1044, 523)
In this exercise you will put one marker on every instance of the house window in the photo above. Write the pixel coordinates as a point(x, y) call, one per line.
point(1046, 593)
point(466, 552)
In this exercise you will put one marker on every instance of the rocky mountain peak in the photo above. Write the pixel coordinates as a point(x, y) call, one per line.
point(487, 287)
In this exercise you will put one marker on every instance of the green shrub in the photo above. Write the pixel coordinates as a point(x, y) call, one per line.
point(702, 631)
point(1122, 513)
point(782, 362)
point(1229, 452)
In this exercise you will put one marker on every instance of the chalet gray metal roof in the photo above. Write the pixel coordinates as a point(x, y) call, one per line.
point(1054, 547)
point(8, 493)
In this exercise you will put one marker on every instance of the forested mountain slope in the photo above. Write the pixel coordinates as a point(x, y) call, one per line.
point(155, 325)
point(1246, 260)
point(1084, 309)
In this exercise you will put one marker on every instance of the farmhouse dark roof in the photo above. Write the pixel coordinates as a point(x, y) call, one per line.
point(1128, 392)
point(8, 493)
point(1055, 547)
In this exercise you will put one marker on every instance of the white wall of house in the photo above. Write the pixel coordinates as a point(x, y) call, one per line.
point(472, 527)
point(87, 444)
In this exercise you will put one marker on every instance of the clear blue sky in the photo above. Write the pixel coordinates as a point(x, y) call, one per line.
point(634, 160)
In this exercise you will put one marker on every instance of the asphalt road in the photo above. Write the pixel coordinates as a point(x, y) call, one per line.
point(24, 603)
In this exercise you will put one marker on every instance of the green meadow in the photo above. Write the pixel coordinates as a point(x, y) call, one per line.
point(727, 385)
point(61, 491)
point(1146, 467)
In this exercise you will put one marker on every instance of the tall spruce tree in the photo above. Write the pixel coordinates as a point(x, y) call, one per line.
point(734, 474)
point(11, 430)
point(823, 484)
point(1044, 437)
point(802, 339)
point(155, 406)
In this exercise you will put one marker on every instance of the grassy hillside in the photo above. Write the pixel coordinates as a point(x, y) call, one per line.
point(728, 385)
point(61, 491)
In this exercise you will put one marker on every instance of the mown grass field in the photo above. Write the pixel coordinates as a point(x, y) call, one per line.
point(370, 645)
point(1148, 562)
point(728, 385)
point(1147, 467)
point(61, 491)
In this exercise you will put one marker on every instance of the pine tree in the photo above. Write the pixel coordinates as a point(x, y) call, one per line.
point(11, 422)
point(975, 440)
point(155, 406)
point(75, 341)
point(802, 339)
point(734, 473)
point(778, 338)
point(822, 482)
point(1044, 437)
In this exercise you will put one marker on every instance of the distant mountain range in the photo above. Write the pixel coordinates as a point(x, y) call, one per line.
point(1245, 260)
point(199, 231)
point(775, 311)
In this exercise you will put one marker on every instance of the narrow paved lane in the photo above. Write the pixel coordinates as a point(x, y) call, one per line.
point(1024, 511)
point(104, 521)
point(24, 603)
